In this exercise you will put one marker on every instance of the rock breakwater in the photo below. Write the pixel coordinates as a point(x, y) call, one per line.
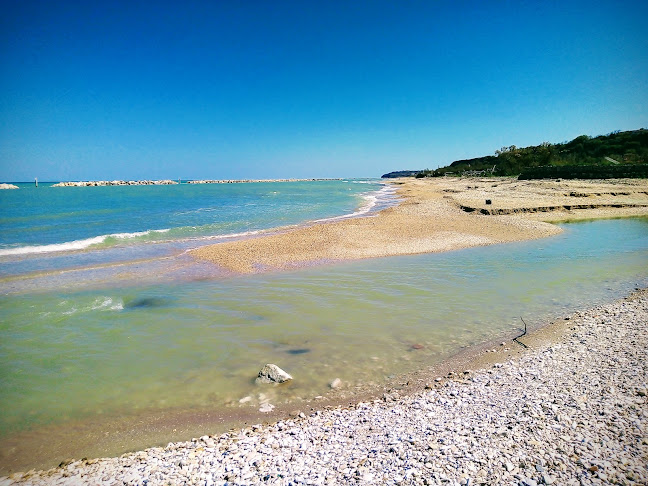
point(241, 181)
point(572, 412)
point(165, 182)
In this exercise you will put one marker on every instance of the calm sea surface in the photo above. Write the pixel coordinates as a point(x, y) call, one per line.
point(84, 337)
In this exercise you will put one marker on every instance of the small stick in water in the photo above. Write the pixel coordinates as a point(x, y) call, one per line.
point(525, 331)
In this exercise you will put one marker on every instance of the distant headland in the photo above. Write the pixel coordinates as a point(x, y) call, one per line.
point(400, 173)
point(615, 155)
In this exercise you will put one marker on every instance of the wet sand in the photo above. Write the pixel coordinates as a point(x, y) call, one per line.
point(435, 215)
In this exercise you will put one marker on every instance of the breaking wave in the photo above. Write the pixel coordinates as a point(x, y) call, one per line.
point(78, 244)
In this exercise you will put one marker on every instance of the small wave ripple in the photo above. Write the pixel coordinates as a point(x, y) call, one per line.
point(98, 304)
point(77, 244)
point(377, 199)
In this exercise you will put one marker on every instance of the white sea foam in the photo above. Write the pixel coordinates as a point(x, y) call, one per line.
point(232, 235)
point(372, 200)
point(220, 237)
point(99, 304)
point(74, 245)
point(106, 303)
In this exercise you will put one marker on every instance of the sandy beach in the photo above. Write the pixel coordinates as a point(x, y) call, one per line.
point(437, 214)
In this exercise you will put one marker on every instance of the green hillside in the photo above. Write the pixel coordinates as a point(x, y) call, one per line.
point(616, 151)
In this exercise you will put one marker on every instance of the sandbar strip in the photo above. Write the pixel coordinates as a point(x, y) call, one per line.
point(433, 217)
point(425, 221)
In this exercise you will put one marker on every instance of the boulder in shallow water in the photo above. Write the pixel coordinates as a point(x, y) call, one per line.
point(271, 373)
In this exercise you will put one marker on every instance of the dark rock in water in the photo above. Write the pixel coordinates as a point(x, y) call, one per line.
point(145, 302)
point(298, 351)
point(271, 373)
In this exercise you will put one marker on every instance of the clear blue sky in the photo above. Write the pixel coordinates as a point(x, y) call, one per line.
point(236, 89)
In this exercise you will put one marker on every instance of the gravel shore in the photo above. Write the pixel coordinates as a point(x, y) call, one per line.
point(569, 412)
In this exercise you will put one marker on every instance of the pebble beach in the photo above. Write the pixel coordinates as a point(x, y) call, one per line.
point(567, 410)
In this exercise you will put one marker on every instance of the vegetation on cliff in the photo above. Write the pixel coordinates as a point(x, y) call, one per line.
point(622, 153)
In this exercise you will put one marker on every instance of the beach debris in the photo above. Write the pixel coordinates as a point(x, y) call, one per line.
point(336, 383)
point(271, 373)
point(416, 346)
point(524, 333)
point(266, 407)
point(245, 399)
point(264, 403)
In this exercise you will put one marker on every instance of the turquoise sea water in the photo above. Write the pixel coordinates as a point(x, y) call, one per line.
point(111, 345)
point(40, 227)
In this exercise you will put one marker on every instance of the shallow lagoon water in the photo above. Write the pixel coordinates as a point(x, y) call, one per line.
point(122, 350)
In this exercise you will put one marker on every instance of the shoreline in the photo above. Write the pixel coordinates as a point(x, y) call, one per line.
point(435, 215)
point(416, 382)
point(552, 413)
